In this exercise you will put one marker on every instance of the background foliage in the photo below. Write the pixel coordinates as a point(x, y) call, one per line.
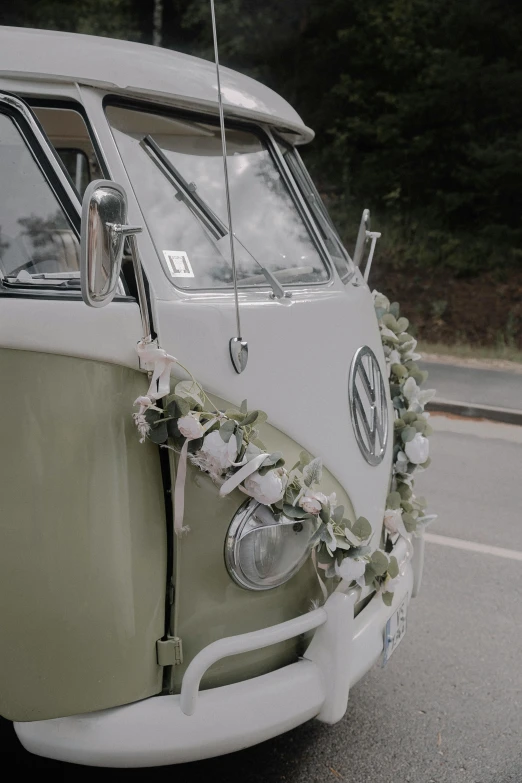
point(415, 103)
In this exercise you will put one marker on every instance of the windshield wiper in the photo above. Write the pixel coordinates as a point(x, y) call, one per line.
point(47, 279)
point(187, 192)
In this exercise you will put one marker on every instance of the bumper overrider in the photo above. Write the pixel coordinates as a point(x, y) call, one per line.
point(196, 725)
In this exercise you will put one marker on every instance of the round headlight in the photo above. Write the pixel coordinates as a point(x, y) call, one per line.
point(262, 551)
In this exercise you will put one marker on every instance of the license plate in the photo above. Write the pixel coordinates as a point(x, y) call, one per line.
point(395, 631)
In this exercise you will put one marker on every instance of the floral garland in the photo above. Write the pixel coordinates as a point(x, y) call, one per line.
point(226, 446)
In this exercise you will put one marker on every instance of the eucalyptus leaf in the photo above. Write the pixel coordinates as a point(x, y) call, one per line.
point(393, 501)
point(337, 514)
point(193, 403)
point(304, 459)
point(417, 376)
point(227, 429)
point(408, 434)
point(178, 406)
point(409, 417)
point(361, 528)
point(243, 407)
point(359, 551)
point(235, 415)
point(189, 389)
point(295, 512)
point(264, 468)
point(239, 439)
point(399, 370)
point(379, 563)
point(354, 541)
point(402, 324)
point(158, 428)
point(390, 321)
point(395, 309)
point(325, 513)
point(377, 566)
point(393, 567)
point(410, 523)
point(251, 417)
point(404, 491)
point(313, 472)
point(387, 598)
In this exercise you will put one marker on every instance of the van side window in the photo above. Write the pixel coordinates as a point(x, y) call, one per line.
point(69, 135)
point(37, 242)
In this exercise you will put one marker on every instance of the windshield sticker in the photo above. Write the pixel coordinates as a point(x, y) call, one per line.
point(178, 263)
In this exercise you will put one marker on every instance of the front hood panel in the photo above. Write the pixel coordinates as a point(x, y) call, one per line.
point(298, 372)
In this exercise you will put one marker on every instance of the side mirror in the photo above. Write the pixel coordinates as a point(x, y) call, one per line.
point(104, 218)
point(361, 237)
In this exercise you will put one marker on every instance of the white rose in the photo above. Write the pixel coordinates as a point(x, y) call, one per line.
point(310, 503)
point(215, 456)
point(393, 520)
point(144, 402)
point(350, 569)
point(190, 427)
point(266, 489)
point(418, 449)
point(401, 462)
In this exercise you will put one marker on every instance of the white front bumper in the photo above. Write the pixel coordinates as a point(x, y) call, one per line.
point(158, 731)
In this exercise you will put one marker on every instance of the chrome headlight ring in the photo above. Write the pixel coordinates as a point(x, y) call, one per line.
point(263, 552)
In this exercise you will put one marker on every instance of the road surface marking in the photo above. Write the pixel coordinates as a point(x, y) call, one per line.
point(472, 546)
point(480, 429)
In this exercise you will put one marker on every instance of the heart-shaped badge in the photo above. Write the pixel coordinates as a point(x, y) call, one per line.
point(239, 353)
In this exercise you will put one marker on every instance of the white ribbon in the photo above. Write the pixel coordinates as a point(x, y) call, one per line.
point(322, 585)
point(179, 487)
point(246, 471)
point(179, 491)
point(154, 358)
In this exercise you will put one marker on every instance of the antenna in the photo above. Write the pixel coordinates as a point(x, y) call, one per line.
point(238, 346)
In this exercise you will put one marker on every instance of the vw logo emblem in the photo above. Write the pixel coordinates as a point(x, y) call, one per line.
point(368, 405)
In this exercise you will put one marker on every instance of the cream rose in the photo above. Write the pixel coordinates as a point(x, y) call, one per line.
point(215, 456)
point(393, 520)
point(350, 569)
point(190, 427)
point(310, 503)
point(418, 449)
point(266, 489)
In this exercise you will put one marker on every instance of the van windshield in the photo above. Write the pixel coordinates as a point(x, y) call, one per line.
point(176, 169)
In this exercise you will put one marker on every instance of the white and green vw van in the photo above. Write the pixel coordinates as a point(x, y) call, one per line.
point(124, 643)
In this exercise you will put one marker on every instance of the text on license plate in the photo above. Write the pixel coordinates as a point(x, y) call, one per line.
point(395, 630)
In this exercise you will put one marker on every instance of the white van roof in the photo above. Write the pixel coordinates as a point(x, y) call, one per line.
point(142, 71)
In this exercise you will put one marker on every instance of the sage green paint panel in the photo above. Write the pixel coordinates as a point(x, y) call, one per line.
point(209, 605)
point(82, 539)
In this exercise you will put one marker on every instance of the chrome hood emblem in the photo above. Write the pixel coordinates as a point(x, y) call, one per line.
point(368, 405)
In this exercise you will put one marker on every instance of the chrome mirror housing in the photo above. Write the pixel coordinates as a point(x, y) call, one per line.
point(104, 218)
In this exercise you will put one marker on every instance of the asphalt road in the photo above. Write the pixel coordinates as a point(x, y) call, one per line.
point(502, 388)
point(448, 707)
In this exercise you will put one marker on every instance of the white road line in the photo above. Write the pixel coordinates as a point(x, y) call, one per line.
point(472, 546)
point(479, 428)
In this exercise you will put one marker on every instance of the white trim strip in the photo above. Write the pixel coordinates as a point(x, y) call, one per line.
point(472, 546)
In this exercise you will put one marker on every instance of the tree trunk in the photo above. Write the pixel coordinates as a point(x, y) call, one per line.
point(157, 22)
